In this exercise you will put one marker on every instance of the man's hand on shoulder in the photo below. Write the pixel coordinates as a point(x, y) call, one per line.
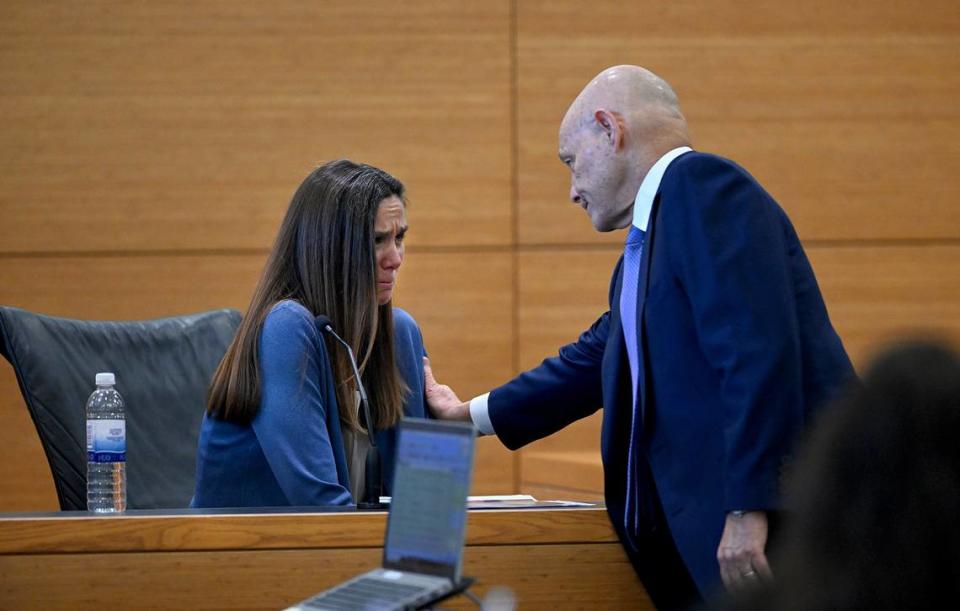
point(741, 552)
point(442, 401)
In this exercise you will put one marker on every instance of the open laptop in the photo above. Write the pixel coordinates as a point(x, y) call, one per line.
point(426, 527)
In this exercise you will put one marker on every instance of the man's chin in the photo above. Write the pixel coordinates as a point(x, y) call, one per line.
point(603, 225)
point(606, 224)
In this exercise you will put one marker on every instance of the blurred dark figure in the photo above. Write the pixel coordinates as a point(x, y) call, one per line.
point(874, 520)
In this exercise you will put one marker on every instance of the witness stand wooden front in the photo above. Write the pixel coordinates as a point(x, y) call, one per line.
point(551, 558)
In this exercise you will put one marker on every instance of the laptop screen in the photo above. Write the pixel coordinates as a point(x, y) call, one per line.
point(428, 511)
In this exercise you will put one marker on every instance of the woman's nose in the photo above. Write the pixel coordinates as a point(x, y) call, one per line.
point(392, 258)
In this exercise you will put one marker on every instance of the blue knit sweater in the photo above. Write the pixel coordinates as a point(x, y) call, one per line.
point(292, 453)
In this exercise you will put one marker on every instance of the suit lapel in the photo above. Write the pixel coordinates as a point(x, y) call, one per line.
point(641, 301)
point(616, 395)
point(615, 354)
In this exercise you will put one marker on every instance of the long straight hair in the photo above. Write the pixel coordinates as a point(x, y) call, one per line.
point(325, 258)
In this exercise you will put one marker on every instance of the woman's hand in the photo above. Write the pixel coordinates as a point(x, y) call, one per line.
point(442, 401)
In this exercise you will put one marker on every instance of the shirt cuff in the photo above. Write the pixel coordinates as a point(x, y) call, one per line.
point(481, 415)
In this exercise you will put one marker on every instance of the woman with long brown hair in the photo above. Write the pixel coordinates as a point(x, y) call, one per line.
point(283, 425)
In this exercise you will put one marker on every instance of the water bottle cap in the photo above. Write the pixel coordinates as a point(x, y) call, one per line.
point(106, 379)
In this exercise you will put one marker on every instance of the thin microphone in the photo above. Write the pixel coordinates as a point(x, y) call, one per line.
point(372, 480)
point(325, 324)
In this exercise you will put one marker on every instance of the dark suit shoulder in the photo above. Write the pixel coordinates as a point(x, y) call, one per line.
point(698, 159)
point(701, 166)
point(702, 183)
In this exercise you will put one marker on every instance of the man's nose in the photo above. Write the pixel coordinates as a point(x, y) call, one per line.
point(574, 196)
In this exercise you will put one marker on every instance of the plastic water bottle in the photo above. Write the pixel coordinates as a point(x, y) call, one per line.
point(106, 448)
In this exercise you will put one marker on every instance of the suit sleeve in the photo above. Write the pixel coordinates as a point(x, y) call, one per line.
point(292, 423)
point(561, 390)
point(726, 241)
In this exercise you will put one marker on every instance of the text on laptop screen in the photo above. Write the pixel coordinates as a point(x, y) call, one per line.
point(427, 512)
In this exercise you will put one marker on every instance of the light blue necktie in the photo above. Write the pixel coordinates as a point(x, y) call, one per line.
point(632, 254)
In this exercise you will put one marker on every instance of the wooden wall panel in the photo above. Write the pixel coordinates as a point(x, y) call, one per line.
point(469, 357)
point(128, 287)
point(554, 313)
point(846, 119)
point(156, 146)
point(464, 303)
point(874, 294)
point(608, 23)
point(844, 112)
point(877, 294)
point(440, 290)
point(188, 125)
point(562, 292)
point(25, 481)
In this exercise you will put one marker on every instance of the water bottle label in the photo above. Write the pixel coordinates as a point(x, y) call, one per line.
point(106, 441)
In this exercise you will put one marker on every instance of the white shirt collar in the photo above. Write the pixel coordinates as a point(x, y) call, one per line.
point(650, 185)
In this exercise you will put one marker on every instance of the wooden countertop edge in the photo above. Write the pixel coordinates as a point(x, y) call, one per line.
point(101, 534)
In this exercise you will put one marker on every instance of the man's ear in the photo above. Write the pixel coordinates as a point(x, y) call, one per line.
point(612, 125)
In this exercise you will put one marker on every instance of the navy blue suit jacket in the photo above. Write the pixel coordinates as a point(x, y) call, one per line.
point(737, 351)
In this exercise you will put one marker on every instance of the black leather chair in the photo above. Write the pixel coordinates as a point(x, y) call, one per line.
point(163, 368)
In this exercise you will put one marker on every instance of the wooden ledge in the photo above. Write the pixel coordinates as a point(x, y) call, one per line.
point(132, 533)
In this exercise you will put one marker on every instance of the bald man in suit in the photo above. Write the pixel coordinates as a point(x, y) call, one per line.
point(712, 359)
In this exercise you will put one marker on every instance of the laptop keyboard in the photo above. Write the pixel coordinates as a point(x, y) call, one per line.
point(367, 593)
